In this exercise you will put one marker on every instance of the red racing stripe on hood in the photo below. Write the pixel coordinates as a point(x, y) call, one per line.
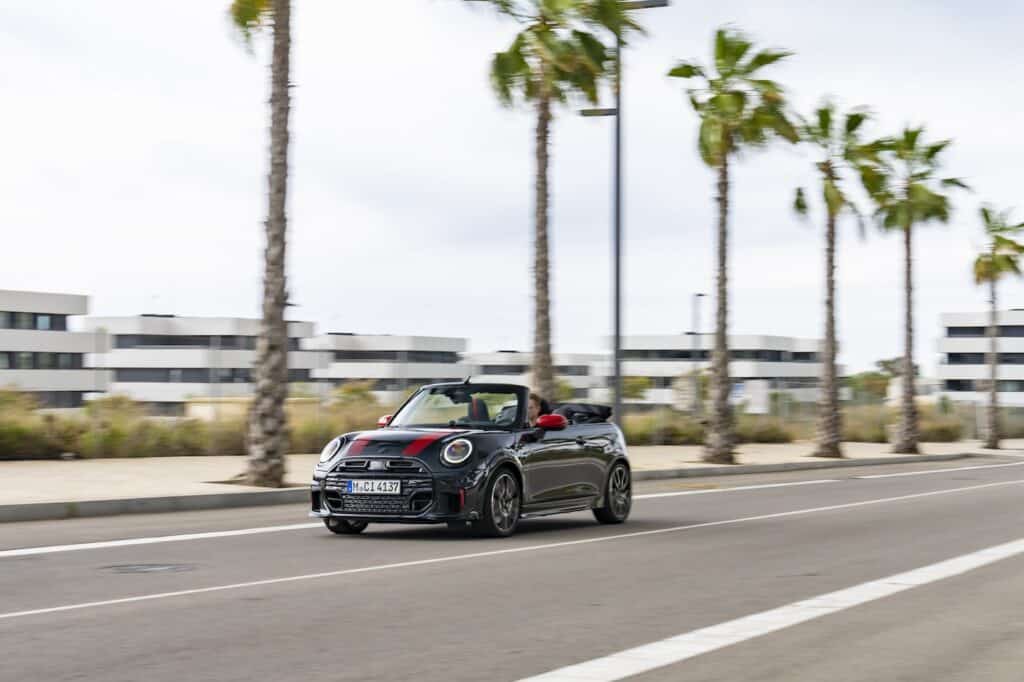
point(420, 444)
point(357, 446)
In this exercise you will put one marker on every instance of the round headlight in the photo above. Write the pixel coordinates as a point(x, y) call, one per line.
point(330, 450)
point(457, 452)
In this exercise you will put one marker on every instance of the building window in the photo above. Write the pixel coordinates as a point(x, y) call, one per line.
point(46, 361)
point(64, 361)
point(24, 360)
point(23, 321)
point(5, 360)
point(439, 357)
point(572, 370)
point(965, 358)
point(503, 370)
point(5, 319)
point(44, 323)
point(298, 375)
point(959, 385)
point(965, 331)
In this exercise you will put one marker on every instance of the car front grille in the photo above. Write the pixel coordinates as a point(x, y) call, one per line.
point(370, 504)
point(416, 497)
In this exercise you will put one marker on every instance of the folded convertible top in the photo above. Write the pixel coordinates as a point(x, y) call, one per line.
point(583, 413)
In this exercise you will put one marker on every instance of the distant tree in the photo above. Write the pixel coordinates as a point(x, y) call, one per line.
point(268, 425)
point(354, 393)
point(564, 391)
point(553, 59)
point(869, 386)
point(635, 388)
point(1000, 258)
point(838, 151)
point(738, 109)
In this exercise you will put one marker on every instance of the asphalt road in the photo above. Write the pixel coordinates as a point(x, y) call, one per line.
point(286, 600)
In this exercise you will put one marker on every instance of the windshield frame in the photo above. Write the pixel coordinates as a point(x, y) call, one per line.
point(522, 394)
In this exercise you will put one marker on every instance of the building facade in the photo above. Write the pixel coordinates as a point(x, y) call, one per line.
point(759, 366)
point(39, 354)
point(580, 371)
point(164, 360)
point(963, 370)
point(394, 365)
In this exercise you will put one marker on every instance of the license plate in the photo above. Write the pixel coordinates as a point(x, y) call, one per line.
point(374, 486)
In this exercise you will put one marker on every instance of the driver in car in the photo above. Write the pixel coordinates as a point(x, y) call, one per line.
point(536, 408)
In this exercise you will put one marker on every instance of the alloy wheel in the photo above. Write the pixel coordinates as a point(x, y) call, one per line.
point(619, 494)
point(505, 502)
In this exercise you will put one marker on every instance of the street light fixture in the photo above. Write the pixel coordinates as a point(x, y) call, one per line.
point(617, 211)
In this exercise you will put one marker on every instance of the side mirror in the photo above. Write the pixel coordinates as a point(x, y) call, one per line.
point(552, 422)
point(384, 421)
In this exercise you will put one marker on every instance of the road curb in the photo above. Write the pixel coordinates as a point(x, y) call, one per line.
point(52, 511)
point(735, 469)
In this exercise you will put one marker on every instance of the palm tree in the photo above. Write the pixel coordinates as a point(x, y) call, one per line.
point(904, 186)
point(839, 149)
point(552, 59)
point(267, 422)
point(737, 109)
point(1000, 258)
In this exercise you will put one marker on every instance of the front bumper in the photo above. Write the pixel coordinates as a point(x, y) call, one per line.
point(426, 497)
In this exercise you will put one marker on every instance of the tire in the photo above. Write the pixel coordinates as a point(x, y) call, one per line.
point(618, 496)
point(345, 527)
point(502, 506)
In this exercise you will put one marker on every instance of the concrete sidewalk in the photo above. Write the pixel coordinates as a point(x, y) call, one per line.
point(64, 489)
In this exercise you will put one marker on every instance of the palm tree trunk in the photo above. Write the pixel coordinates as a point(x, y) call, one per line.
point(907, 440)
point(829, 427)
point(720, 438)
point(992, 437)
point(267, 423)
point(543, 373)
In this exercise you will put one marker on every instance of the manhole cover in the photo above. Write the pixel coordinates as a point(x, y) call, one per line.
point(149, 568)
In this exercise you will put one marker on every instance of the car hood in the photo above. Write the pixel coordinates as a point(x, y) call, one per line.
point(399, 442)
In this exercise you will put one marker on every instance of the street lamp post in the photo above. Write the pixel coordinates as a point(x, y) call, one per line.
point(695, 352)
point(617, 210)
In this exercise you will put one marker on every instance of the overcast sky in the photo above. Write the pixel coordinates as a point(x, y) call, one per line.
point(134, 140)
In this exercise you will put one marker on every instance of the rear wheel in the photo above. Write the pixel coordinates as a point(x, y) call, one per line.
point(501, 506)
point(618, 497)
point(345, 527)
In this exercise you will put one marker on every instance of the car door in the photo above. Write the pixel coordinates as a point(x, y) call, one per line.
point(550, 466)
point(596, 443)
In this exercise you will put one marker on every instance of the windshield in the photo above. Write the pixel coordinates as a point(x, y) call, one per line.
point(463, 405)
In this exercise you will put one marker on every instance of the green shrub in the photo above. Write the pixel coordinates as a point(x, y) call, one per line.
point(866, 423)
point(940, 428)
point(754, 429)
point(24, 440)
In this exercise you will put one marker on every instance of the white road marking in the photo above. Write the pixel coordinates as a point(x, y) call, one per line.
point(109, 544)
point(688, 645)
point(651, 496)
point(943, 471)
point(29, 551)
point(499, 552)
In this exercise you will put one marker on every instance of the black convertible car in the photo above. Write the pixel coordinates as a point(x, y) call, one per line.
point(465, 454)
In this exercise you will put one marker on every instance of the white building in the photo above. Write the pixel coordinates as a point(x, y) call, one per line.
point(963, 371)
point(38, 353)
point(579, 370)
point(394, 364)
point(759, 366)
point(163, 360)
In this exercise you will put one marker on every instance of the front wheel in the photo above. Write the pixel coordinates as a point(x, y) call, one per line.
point(501, 506)
point(618, 497)
point(345, 527)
